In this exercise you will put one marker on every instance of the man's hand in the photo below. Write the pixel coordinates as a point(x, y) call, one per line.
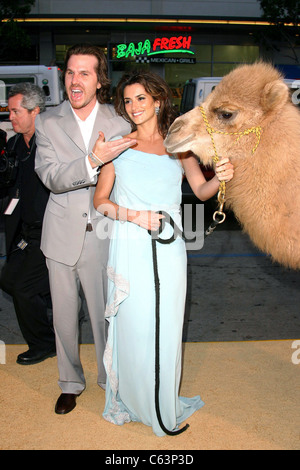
point(107, 151)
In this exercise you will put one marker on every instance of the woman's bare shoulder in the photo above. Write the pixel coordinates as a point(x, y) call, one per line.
point(131, 136)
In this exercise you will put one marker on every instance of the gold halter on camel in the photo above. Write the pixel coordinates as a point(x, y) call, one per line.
point(222, 189)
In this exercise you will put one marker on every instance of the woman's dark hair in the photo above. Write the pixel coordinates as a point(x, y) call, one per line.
point(157, 88)
point(103, 94)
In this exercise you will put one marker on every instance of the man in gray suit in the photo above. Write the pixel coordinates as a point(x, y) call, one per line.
point(73, 142)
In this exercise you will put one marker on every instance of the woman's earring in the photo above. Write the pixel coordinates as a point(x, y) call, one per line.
point(157, 110)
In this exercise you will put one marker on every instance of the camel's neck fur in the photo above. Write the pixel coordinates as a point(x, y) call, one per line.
point(264, 183)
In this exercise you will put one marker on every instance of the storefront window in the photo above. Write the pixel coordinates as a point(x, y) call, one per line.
point(203, 53)
point(226, 58)
point(177, 75)
point(61, 50)
point(125, 64)
point(60, 54)
point(235, 54)
point(209, 60)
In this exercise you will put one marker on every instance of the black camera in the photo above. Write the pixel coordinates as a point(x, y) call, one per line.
point(9, 163)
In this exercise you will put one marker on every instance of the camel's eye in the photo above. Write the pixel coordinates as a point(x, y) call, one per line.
point(225, 115)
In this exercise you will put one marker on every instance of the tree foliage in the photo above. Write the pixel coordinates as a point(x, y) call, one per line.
point(14, 39)
point(281, 12)
point(284, 17)
point(15, 8)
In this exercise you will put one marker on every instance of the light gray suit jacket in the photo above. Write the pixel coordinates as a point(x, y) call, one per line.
point(60, 164)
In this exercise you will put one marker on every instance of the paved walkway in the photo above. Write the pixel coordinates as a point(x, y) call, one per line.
point(250, 390)
point(234, 294)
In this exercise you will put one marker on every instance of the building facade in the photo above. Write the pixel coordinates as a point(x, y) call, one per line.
point(177, 39)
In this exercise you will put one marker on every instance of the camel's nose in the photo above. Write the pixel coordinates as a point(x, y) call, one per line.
point(176, 126)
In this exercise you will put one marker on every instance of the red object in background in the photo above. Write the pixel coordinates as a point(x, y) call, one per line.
point(207, 171)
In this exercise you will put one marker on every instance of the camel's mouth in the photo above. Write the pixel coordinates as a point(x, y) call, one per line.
point(177, 145)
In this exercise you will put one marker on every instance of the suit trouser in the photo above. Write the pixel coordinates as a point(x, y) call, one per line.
point(25, 278)
point(65, 281)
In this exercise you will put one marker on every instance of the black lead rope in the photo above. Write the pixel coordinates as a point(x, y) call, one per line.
point(154, 239)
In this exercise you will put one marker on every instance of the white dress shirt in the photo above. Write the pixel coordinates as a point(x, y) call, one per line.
point(86, 128)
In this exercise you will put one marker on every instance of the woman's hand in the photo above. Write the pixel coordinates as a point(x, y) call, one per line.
point(224, 170)
point(148, 220)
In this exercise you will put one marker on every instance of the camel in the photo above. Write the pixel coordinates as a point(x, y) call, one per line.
point(252, 120)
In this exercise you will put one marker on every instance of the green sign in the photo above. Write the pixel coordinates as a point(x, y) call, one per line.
point(160, 46)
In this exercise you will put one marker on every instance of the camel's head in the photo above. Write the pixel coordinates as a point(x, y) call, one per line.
point(250, 96)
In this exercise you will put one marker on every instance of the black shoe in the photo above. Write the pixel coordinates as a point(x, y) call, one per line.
point(65, 403)
point(33, 357)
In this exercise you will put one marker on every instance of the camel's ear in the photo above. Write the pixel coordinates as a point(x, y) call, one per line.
point(275, 96)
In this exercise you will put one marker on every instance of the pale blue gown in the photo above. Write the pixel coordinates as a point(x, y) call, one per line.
point(145, 182)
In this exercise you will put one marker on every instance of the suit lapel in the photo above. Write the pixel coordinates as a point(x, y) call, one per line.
point(105, 121)
point(70, 127)
point(101, 124)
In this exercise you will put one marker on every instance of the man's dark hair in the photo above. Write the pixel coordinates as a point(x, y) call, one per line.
point(103, 94)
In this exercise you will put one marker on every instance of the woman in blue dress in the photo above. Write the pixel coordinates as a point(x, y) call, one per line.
point(143, 352)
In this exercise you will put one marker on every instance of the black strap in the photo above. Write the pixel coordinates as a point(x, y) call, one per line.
point(14, 140)
point(155, 238)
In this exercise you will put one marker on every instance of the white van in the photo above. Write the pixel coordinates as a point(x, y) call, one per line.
point(196, 90)
point(47, 78)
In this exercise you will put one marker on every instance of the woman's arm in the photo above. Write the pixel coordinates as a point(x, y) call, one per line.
point(102, 203)
point(205, 189)
point(145, 219)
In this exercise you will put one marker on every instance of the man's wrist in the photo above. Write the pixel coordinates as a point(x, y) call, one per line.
point(96, 160)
